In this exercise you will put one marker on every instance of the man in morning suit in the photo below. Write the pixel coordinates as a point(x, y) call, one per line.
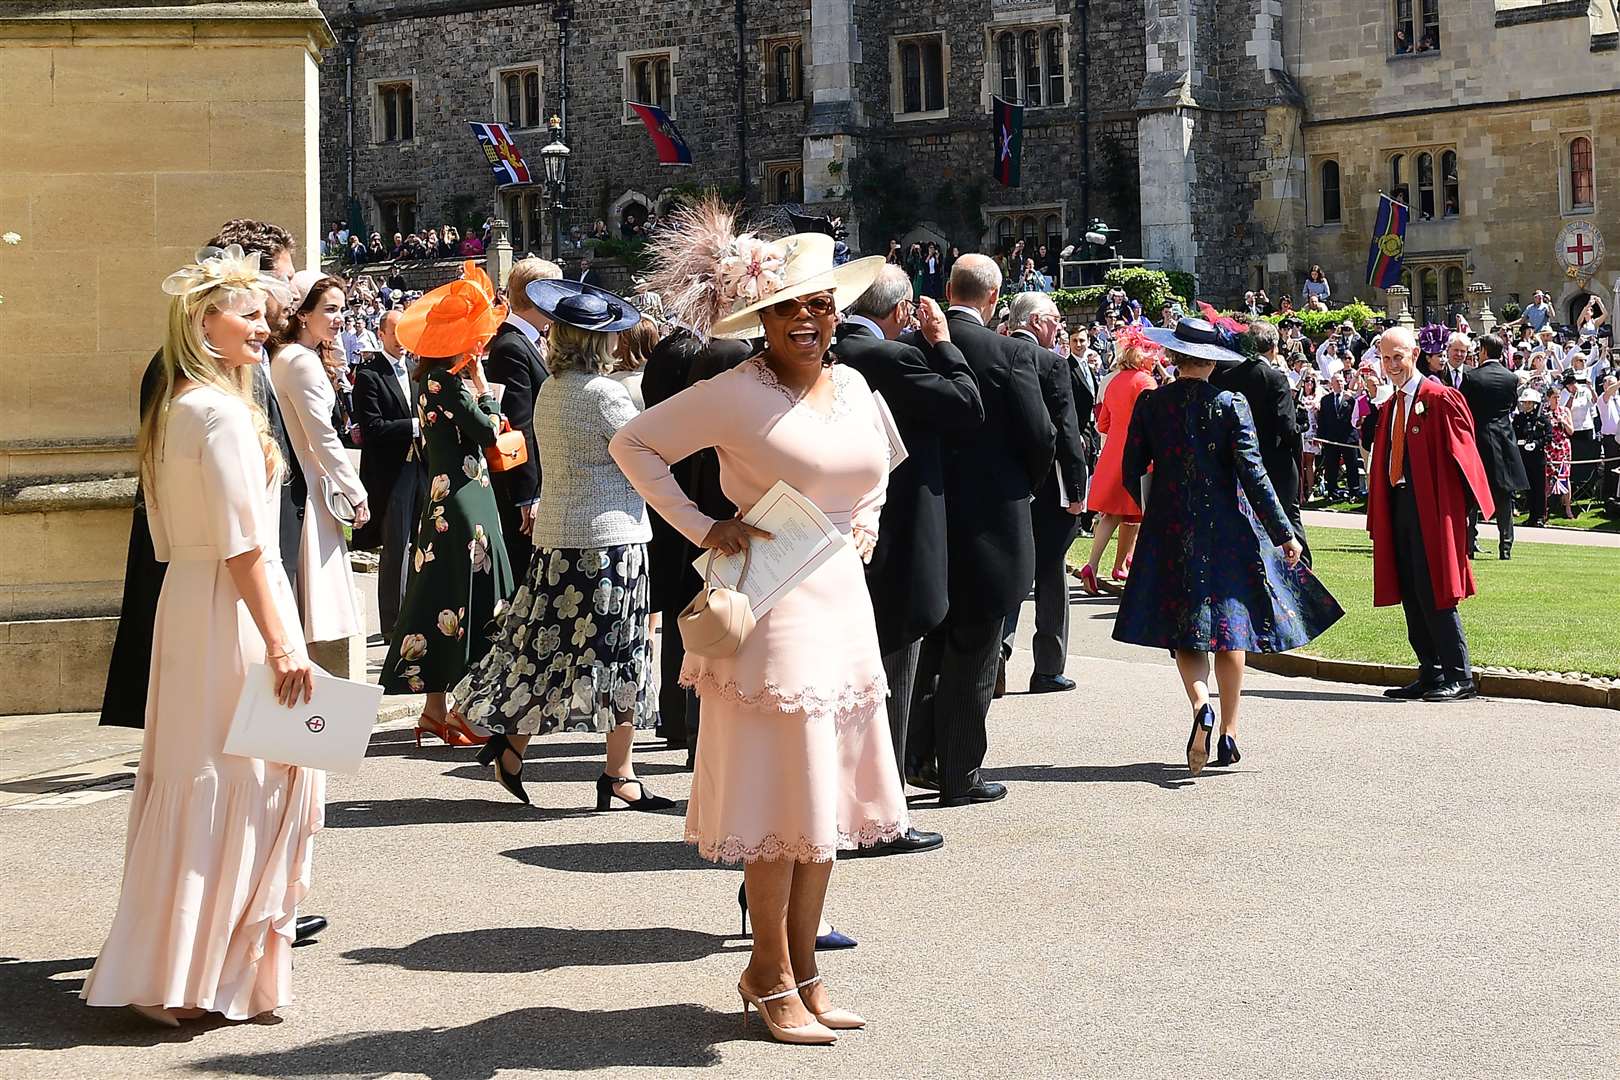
point(516, 361)
point(1426, 472)
point(930, 390)
point(1055, 514)
point(990, 474)
point(1260, 378)
point(1492, 392)
point(1335, 425)
point(124, 701)
point(391, 464)
point(679, 360)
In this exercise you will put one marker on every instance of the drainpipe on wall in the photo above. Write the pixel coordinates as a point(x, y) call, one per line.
point(742, 97)
point(351, 40)
point(1084, 8)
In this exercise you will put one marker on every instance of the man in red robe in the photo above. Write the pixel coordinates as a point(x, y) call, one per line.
point(1425, 473)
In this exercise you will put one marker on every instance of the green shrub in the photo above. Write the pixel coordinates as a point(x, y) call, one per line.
point(633, 252)
point(1150, 288)
point(1079, 301)
point(1318, 324)
point(1182, 284)
point(1510, 312)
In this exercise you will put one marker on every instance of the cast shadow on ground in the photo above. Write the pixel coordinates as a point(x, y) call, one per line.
point(1159, 773)
point(527, 949)
point(583, 773)
point(59, 783)
point(1376, 696)
point(627, 857)
point(401, 742)
point(40, 1011)
point(515, 1043)
point(382, 813)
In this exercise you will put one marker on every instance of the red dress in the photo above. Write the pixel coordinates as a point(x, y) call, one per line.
point(1108, 495)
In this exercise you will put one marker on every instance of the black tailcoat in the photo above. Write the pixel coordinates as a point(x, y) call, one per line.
point(931, 393)
point(515, 363)
point(1276, 419)
point(387, 431)
point(1492, 393)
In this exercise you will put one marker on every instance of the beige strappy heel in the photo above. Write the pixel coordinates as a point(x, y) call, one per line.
point(836, 1019)
point(811, 1034)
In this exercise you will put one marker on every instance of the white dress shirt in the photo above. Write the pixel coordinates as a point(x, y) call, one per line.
point(1608, 411)
point(402, 373)
point(863, 321)
point(530, 331)
point(972, 313)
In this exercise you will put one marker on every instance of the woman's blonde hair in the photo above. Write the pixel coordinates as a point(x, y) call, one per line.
point(573, 349)
point(187, 354)
point(1134, 358)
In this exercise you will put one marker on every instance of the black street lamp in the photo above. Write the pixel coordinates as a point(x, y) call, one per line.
point(554, 161)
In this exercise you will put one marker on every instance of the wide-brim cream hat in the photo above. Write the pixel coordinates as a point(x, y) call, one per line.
point(765, 272)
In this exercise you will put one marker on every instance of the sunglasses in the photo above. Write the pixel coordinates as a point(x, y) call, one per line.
point(819, 306)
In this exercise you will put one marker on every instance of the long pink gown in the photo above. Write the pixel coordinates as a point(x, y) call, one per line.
point(796, 760)
point(218, 852)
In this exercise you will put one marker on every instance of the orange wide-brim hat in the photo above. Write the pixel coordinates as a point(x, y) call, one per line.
point(455, 319)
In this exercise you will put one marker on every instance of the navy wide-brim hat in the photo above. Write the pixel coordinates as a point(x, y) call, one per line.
point(1198, 339)
point(582, 306)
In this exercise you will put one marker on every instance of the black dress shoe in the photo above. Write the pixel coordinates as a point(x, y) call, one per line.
point(1410, 692)
point(982, 791)
point(906, 843)
point(1050, 684)
point(307, 927)
point(922, 776)
point(1001, 680)
point(1454, 691)
point(1506, 552)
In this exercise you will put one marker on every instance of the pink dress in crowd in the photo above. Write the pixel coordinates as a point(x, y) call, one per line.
point(218, 851)
point(797, 760)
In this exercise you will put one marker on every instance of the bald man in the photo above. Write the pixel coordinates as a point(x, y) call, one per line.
point(391, 465)
point(1426, 475)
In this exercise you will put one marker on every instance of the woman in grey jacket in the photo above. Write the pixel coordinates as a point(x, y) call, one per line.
point(574, 641)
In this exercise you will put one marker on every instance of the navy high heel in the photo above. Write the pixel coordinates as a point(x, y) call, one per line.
point(1203, 726)
point(832, 939)
point(1228, 752)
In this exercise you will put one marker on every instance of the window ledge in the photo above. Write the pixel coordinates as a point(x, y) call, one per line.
point(936, 114)
point(1328, 225)
point(1580, 211)
point(1398, 58)
point(635, 121)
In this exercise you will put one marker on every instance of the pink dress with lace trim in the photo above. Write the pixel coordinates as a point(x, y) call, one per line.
point(796, 760)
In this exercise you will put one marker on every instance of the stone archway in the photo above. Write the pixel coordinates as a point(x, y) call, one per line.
point(634, 204)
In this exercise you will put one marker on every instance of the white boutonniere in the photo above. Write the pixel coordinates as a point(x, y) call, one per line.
point(1418, 409)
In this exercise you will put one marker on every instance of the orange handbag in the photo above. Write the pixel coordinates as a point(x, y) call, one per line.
point(511, 449)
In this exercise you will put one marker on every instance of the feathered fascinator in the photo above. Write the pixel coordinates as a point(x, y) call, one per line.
point(1224, 322)
point(702, 269)
point(233, 273)
point(1133, 336)
point(1432, 339)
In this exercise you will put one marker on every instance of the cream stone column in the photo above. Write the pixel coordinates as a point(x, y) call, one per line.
point(130, 133)
point(835, 112)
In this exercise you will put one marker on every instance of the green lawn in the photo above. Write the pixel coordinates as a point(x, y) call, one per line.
point(1553, 606)
point(1590, 516)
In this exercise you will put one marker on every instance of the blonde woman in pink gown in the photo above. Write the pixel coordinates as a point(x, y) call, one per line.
point(794, 759)
point(218, 851)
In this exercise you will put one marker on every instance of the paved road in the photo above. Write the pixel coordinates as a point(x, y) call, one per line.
point(1379, 890)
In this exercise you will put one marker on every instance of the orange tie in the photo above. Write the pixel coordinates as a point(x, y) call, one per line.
point(1397, 440)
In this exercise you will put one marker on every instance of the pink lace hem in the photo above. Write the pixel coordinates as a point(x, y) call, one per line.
point(810, 700)
point(773, 848)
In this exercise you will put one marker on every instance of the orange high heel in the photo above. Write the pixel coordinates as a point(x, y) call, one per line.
point(426, 725)
point(461, 733)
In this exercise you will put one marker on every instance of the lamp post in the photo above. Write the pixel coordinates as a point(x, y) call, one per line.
point(554, 159)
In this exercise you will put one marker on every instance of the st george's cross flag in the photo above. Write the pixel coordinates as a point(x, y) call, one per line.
point(1388, 246)
point(505, 159)
point(672, 149)
point(1009, 138)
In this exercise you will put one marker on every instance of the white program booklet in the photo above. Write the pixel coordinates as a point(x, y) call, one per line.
point(897, 447)
point(801, 540)
point(330, 731)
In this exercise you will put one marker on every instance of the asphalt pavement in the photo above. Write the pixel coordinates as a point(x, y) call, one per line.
point(1379, 889)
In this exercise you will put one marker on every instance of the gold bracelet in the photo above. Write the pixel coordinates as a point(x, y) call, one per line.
point(278, 656)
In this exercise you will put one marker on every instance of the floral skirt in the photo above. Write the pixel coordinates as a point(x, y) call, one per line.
point(571, 650)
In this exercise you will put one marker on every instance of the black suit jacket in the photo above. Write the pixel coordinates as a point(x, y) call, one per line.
point(515, 362)
point(1057, 390)
point(676, 362)
point(1276, 418)
point(387, 432)
point(1085, 408)
point(990, 474)
point(1492, 393)
point(931, 393)
point(123, 701)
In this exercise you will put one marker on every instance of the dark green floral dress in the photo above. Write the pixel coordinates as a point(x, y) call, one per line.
point(460, 577)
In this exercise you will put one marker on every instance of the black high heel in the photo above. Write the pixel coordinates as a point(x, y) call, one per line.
point(1203, 726)
point(1228, 754)
point(648, 801)
point(831, 940)
point(495, 751)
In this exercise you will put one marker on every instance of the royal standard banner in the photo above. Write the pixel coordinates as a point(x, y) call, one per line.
point(1009, 137)
point(672, 149)
point(1388, 244)
point(505, 159)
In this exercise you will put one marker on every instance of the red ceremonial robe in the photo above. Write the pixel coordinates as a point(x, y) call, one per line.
point(1446, 470)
